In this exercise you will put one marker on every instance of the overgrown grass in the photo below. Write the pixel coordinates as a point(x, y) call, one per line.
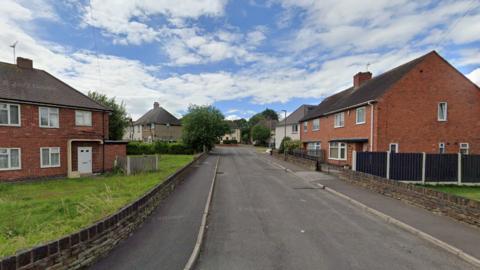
point(464, 191)
point(34, 213)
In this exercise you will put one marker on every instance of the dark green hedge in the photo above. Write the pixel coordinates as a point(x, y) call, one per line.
point(158, 147)
point(230, 142)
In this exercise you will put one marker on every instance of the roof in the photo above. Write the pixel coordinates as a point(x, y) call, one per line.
point(367, 91)
point(158, 116)
point(296, 115)
point(268, 123)
point(38, 86)
point(233, 123)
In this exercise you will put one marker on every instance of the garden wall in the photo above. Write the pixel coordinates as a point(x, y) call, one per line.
point(456, 207)
point(81, 249)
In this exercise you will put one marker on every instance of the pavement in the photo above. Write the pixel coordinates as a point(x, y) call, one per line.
point(447, 230)
point(264, 217)
point(168, 237)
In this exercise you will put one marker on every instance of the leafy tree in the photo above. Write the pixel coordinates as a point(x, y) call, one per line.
point(241, 123)
point(292, 145)
point(269, 112)
point(260, 133)
point(202, 126)
point(245, 137)
point(118, 120)
point(254, 120)
point(281, 149)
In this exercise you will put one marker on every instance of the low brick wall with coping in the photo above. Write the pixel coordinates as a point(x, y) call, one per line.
point(83, 248)
point(302, 162)
point(441, 203)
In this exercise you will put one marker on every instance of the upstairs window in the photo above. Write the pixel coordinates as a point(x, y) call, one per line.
point(464, 148)
point(305, 126)
point(9, 114)
point(294, 128)
point(361, 115)
point(168, 127)
point(442, 111)
point(316, 124)
point(152, 126)
point(10, 159)
point(83, 118)
point(339, 119)
point(50, 157)
point(49, 117)
point(145, 128)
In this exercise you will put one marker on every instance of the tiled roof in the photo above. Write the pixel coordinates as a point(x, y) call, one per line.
point(268, 123)
point(296, 115)
point(158, 116)
point(38, 86)
point(367, 91)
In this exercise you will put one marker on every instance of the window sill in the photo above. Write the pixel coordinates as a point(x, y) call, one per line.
point(83, 125)
point(439, 120)
point(362, 123)
point(47, 127)
point(6, 125)
point(12, 169)
point(48, 167)
point(337, 158)
point(316, 130)
point(339, 127)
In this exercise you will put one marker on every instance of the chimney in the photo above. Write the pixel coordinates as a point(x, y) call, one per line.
point(156, 105)
point(24, 63)
point(360, 78)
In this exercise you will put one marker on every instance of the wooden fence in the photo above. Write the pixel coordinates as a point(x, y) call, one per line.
point(134, 165)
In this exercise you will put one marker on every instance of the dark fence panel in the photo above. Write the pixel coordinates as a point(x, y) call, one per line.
point(471, 168)
point(441, 168)
point(318, 155)
point(372, 163)
point(406, 166)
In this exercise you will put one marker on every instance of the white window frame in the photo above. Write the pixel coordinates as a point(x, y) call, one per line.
point(152, 126)
point(168, 127)
point(10, 159)
point(446, 111)
point(49, 113)
point(84, 113)
point(364, 115)
point(316, 126)
point(9, 115)
point(305, 126)
point(464, 146)
point(441, 148)
point(340, 117)
point(340, 146)
point(396, 147)
point(294, 128)
point(50, 157)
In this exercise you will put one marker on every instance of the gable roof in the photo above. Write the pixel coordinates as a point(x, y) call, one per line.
point(367, 91)
point(268, 122)
point(38, 86)
point(296, 115)
point(158, 116)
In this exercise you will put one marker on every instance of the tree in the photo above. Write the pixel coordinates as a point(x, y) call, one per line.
point(292, 145)
point(245, 137)
point(260, 133)
point(118, 119)
point(241, 123)
point(281, 149)
point(269, 112)
point(254, 120)
point(202, 126)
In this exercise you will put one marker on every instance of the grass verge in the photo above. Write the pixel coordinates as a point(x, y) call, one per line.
point(464, 191)
point(34, 213)
point(262, 149)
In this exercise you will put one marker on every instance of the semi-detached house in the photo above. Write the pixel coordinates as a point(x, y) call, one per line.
point(48, 129)
point(425, 105)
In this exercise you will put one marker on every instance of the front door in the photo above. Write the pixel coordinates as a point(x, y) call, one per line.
point(85, 159)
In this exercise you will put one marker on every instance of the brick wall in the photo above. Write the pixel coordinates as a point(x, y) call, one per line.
point(444, 204)
point(111, 153)
point(306, 163)
point(83, 248)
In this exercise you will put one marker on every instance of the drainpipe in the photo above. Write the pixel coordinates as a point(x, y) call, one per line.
point(371, 125)
point(103, 137)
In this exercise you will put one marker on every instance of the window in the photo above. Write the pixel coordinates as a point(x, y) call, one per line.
point(145, 128)
point(152, 126)
point(441, 147)
point(339, 119)
point(314, 148)
point(48, 117)
point(338, 151)
point(442, 111)
point(316, 124)
point(50, 157)
point(149, 139)
point(305, 126)
point(83, 118)
point(294, 128)
point(234, 138)
point(9, 114)
point(394, 148)
point(168, 128)
point(361, 115)
point(10, 159)
point(464, 148)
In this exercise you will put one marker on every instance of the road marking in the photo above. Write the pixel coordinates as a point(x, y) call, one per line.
point(234, 151)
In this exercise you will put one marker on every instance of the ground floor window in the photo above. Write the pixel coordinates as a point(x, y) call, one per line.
point(464, 148)
point(441, 147)
point(314, 148)
point(394, 148)
point(10, 159)
point(50, 157)
point(338, 151)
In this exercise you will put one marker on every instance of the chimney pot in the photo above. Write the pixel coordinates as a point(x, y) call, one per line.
point(156, 105)
point(24, 63)
point(360, 78)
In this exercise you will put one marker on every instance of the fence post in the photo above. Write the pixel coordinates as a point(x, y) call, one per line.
point(156, 162)
point(128, 165)
point(354, 161)
point(424, 162)
point(388, 164)
point(459, 168)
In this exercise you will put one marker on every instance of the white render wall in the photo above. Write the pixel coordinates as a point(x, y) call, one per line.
point(280, 132)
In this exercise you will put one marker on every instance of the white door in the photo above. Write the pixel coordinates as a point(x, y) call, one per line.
point(85, 159)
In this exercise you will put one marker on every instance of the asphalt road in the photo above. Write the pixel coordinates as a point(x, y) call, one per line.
point(265, 218)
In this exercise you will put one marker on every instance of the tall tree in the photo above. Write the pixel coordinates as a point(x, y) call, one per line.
point(260, 133)
point(254, 120)
point(241, 123)
point(269, 112)
point(202, 126)
point(118, 120)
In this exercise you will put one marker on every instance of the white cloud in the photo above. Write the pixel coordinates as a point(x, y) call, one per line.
point(232, 117)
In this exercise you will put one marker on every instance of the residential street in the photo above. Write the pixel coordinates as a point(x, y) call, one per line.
point(263, 217)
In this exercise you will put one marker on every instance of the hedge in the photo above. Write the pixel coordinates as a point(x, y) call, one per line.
point(230, 142)
point(158, 147)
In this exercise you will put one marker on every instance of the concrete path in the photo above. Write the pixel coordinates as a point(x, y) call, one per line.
point(263, 217)
point(167, 238)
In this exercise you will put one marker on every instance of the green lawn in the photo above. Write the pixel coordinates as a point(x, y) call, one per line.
point(261, 149)
point(34, 213)
point(467, 192)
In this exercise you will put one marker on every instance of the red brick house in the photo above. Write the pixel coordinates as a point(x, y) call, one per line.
point(425, 105)
point(48, 129)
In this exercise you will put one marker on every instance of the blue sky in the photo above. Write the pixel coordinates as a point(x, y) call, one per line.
point(240, 56)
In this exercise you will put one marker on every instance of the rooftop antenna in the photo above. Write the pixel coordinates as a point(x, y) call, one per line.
point(368, 64)
point(13, 46)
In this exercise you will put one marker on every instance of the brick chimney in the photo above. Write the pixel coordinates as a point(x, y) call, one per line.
point(360, 78)
point(24, 63)
point(156, 105)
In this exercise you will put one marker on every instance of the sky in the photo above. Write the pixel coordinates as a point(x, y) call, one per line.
point(239, 56)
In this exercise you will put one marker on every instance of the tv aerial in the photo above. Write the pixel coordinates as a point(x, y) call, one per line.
point(13, 46)
point(368, 64)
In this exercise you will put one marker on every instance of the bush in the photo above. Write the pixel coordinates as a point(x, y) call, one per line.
point(158, 147)
point(161, 147)
point(233, 142)
point(226, 142)
point(179, 149)
point(140, 148)
point(281, 149)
